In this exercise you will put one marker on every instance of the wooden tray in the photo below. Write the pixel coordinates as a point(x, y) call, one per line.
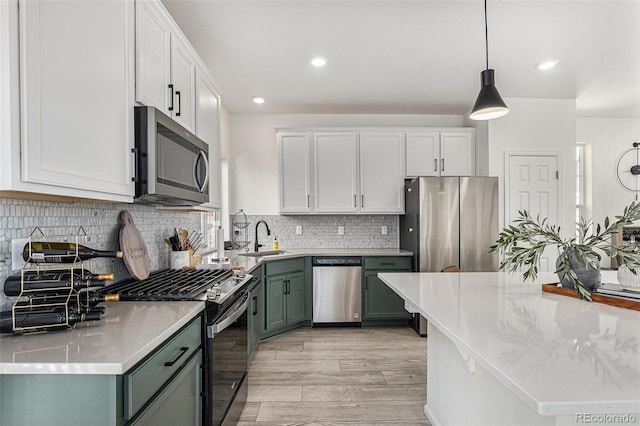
point(599, 298)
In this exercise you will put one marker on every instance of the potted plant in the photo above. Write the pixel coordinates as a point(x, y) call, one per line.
point(578, 264)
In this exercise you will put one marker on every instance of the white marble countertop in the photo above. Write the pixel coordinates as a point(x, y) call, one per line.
point(126, 334)
point(559, 355)
point(251, 262)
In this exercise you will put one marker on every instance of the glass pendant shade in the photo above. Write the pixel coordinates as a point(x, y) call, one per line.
point(489, 103)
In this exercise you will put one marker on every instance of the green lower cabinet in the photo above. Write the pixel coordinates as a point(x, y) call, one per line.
point(381, 305)
point(286, 296)
point(150, 393)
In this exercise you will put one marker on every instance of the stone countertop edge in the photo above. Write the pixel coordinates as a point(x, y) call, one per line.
point(250, 263)
point(127, 333)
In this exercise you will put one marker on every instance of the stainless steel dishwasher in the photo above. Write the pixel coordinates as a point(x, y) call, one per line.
point(337, 296)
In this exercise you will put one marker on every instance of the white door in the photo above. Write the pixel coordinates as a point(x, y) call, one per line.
point(381, 172)
point(153, 56)
point(183, 68)
point(457, 153)
point(208, 129)
point(423, 153)
point(335, 164)
point(294, 172)
point(76, 76)
point(533, 185)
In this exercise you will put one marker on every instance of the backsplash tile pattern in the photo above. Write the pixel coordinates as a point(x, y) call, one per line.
point(360, 231)
point(19, 217)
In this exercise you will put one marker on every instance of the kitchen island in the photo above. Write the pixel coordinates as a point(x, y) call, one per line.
point(501, 352)
point(102, 372)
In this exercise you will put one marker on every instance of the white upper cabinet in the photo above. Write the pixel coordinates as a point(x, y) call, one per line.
point(341, 172)
point(208, 129)
point(76, 99)
point(381, 172)
point(165, 73)
point(335, 165)
point(294, 172)
point(449, 152)
point(183, 74)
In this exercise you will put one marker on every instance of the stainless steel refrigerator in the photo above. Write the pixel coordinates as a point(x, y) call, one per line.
point(450, 221)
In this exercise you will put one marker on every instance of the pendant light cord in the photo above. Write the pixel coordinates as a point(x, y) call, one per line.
point(486, 34)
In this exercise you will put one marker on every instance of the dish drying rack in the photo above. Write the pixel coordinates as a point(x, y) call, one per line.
point(240, 228)
point(65, 301)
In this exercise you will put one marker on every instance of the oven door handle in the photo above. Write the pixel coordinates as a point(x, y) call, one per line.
point(218, 327)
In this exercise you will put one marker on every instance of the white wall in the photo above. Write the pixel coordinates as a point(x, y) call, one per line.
point(608, 139)
point(537, 125)
point(253, 174)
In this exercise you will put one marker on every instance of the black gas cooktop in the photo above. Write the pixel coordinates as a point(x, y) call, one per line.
point(170, 285)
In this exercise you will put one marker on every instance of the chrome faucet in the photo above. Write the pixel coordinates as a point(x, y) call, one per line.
point(256, 245)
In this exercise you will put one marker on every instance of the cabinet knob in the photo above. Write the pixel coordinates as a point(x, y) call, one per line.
point(410, 229)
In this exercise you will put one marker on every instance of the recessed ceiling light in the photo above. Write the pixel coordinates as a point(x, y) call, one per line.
point(318, 61)
point(257, 100)
point(547, 64)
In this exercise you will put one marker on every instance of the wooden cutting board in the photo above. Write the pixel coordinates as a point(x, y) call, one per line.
point(134, 250)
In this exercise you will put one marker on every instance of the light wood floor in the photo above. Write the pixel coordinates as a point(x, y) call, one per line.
point(338, 376)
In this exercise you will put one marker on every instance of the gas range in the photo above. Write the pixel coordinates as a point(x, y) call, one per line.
point(208, 285)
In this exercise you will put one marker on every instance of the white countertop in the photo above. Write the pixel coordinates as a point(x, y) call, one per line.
point(559, 355)
point(251, 262)
point(126, 334)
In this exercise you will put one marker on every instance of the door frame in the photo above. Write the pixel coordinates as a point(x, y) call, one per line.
point(507, 184)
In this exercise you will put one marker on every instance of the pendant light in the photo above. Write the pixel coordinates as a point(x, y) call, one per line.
point(489, 104)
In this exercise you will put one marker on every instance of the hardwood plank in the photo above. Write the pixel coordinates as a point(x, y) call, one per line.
point(273, 393)
point(413, 364)
point(406, 377)
point(296, 365)
point(250, 412)
point(339, 411)
point(365, 393)
point(365, 346)
point(313, 378)
point(352, 354)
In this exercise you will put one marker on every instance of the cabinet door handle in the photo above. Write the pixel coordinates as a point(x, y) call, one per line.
point(435, 164)
point(362, 200)
point(135, 164)
point(308, 203)
point(442, 168)
point(171, 89)
point(183, 350)
point(284, 287)
point(288, 286)
point(366, 283)
point(387, 263)
point(255, 305)
point(354, 200)
point(179, 104)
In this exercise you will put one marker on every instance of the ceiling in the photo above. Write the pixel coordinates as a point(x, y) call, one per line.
point(415, 57)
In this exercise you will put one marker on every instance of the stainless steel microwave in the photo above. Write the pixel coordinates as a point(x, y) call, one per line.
point(172, 164)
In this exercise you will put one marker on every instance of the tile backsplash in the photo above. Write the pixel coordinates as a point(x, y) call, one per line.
point(360, 231)
point(18, 218)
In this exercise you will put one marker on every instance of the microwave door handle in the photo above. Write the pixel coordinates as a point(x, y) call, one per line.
point(203, 186)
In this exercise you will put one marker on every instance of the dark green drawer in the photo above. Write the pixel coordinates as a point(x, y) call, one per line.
point(145, 379)
point(276, 267)
point(388, 263)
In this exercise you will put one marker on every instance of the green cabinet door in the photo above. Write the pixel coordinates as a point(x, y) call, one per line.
point(275, 302)
point(255, 318)
point(380, 302)
point(295, 297)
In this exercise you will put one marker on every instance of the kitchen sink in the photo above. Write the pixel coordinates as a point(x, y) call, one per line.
point(263, 253)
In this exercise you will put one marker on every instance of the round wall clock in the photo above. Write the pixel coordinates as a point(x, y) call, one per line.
point(628, 168)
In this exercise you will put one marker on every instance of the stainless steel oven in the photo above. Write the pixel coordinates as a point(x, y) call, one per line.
point(226, 349)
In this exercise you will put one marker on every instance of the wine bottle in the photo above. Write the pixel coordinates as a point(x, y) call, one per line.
point(46, 280)
point(61, 252)
point(44, 319)
point(82, 301)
